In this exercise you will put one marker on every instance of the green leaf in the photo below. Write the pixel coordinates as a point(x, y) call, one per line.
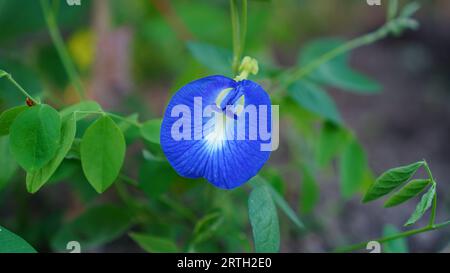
point(390, 180)
point(313, 98)
point(278, 199)
point(423, 206)
point(35, 180)
point(309, 191)
point(95, 227)
point(84, 106)
point(264, 220)
point(207, 226)
point(8, 117)
point(284, 206)
point(352, 167)
point(217, 59)
point(154, 244)
point(102, 153)
point(156, 177)
point(34, 136)
point(337, 71)
point(11, 243)
point(151, 129)
point(3, 73)
point(395, 246)
point(332, 140)
point(8, 165)
point(409, 191)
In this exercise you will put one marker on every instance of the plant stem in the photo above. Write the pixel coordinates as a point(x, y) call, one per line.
point(61, 49)
point(132, 122)
point(394, 237)
point(244, 25)
point(21, 89)
point(235, 27)
point(366, 39)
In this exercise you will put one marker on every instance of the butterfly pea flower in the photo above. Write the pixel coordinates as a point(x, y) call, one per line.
point(219, 129)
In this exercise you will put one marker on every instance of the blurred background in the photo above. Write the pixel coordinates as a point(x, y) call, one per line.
point(132, 55)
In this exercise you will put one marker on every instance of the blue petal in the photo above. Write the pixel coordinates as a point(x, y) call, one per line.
point(226, 163)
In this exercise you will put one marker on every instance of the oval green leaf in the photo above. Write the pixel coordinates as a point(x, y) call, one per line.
point(34, 136)
point(11, 243)
point(35, 180)
point(409, 191)
point(264, 220)
point(8, 117)
point(423, 206)
point(390, 180)
point(313, 98)
point(151, 130)
point(102, 153)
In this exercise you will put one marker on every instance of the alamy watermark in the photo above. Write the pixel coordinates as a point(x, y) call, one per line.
point(227, 123)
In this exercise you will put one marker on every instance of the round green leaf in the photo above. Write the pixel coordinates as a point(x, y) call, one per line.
point(35, 180)
point(34, 136)
point(102, 153)
point(11, 243)
point(8, 117)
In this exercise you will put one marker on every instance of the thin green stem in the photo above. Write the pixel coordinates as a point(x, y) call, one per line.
point(244, 12)
point(366, 39)
point(393, 237)
point(20, 88)
point(69, 66)
point(132, 122)
point(235, 27)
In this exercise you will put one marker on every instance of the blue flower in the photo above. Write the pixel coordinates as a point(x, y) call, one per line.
point(210, 130)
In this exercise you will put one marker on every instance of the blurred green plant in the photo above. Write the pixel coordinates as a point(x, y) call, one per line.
point(83, 138)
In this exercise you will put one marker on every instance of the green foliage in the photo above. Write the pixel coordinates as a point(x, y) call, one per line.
point(313, 98)
point(153, 244)
point(35, 180)
point(9, 167)
point(264, 220)
point(82, 109)
point(155, 177)
point(331, 141)
point(352, 166)
point(217, 59)
point(423, 205)
point(337, 71)
point(395, 177)
point(8, 117)
point(34, 137)
point(390, 180)
point(409, 191)
point(151, 129)
point(96, 226)
point(102, 153)
point(309, 191)
point(11, 243)
point(207, 226)
point(48, 146)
